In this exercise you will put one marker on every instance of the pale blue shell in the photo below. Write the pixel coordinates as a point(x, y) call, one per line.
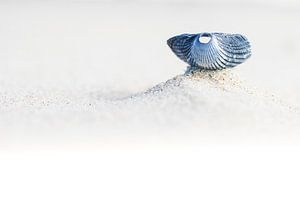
point(222, 51)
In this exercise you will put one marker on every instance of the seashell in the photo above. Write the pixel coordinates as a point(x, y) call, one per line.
point(211, 51)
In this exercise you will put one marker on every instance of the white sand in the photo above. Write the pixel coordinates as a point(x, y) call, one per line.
point(95, 79)
point(68, 69)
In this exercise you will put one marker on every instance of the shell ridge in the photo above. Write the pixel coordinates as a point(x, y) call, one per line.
point(181, 45)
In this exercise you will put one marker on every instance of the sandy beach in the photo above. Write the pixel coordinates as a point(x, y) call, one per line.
point(71, 67)
point(96, 79)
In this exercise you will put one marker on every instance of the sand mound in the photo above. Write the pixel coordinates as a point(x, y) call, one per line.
point(215, 101)
point(200, 104)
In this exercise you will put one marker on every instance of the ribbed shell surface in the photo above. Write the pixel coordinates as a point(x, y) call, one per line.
point(221, 51)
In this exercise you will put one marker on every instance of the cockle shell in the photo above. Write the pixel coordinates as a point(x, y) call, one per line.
point(221, 51)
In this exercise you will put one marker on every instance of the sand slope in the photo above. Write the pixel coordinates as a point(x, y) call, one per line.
point(205, 106)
